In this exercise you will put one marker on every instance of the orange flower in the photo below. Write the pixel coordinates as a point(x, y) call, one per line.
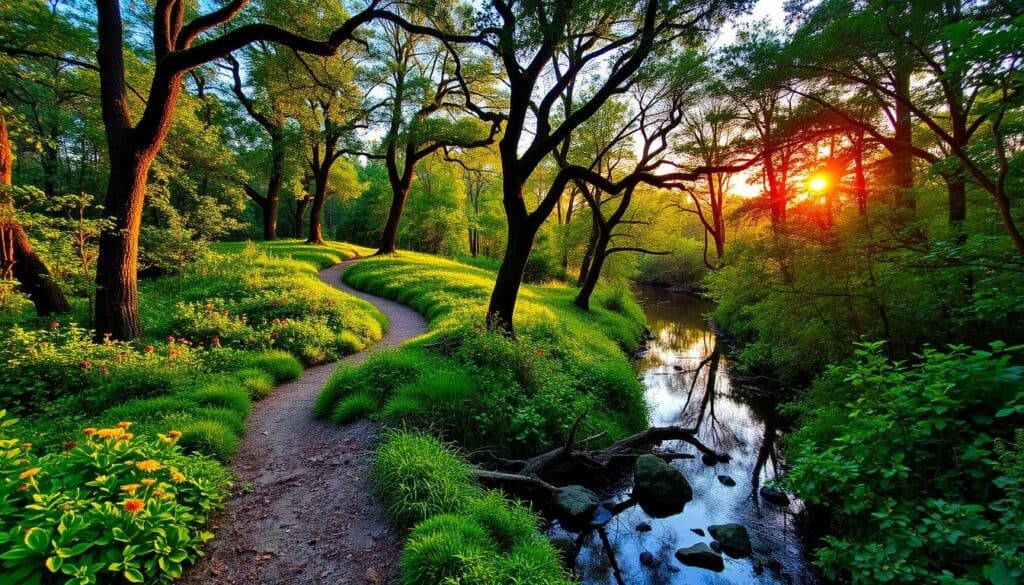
point(22, 488)
point(89, 431)
point(148, 465)
point(130, 488)
point(26, 446)
point(159, 494)
point(133, 505)
point(148, 481)
point(177, 476)
point(124, 424)
point(174, 434)
point(29, 473)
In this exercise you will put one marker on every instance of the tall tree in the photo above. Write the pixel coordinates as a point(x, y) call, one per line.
point(427, 88)
point(17, 258)
point(133, 144)
point(542, 47)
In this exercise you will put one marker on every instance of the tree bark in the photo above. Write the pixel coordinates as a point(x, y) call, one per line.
point(500, 311)
point(300, 212)
point(17, 258)
point(594, 274)
point(903, 161)
point(316, 212)
point(388, 237)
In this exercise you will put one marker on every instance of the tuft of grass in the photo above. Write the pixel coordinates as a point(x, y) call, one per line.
point(224, 416)
point(209, 437)
point(448, 549)
point(354, 407)
point(508, 524)
point(260, 384)
point(418, 476)
point(379, 375)
point(280, 364)
point(225, 393)
point(535, 562)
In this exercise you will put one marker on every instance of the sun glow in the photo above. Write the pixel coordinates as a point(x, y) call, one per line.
point(817, 183)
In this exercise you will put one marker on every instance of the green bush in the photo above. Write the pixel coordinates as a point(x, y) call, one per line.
point(260, 384)
point(353, 407)
point(224, 392)
point(379, 375)
point(449, 549)
point(910, 466)
point(417, 477)
point(439, 400)
point(209, 437)
point(508, 524)
point(69, 512)
point(280, 364)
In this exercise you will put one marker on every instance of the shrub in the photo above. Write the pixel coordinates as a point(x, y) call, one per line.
point(280, 364)
point(209, 437)
point(225, 416)
point(225, 392)
point(439, 400)
point(260, 384)
point(379, 375)
point(909, 467)
point(417, 477)
point(58, 512)
point(532, 563)
point(353, 407)
point(449, 549)
point(507, 523)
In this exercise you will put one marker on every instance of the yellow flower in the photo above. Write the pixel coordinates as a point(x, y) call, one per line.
point(177, 476)
point(113, 433)
point(124, 424)
point(166, 440)
point(29, 473)
point(130, 488)
point(148, 481)
point(148, 465)
point(89, 431)
point(102, 478)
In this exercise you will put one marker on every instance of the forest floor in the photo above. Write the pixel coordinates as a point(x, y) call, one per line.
point(303, 509)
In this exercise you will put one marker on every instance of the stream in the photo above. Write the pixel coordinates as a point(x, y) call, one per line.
point(687, 382)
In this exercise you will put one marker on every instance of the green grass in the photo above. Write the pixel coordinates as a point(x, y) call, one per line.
point(319, 256)
point(514, 397)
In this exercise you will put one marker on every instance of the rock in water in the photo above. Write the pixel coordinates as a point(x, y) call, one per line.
point(774, 496)
point(660, 489)
point(646, 559)
point(708, 459)
point(566, 547)
point(574, 506)
point(643, 527)
point(697, 531)
point(734, 539)
point(726, 480)
point(700, 555)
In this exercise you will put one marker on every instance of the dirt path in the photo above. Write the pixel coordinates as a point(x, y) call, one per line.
point(304, 511)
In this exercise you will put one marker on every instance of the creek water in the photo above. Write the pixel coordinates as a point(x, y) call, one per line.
point(687, 382)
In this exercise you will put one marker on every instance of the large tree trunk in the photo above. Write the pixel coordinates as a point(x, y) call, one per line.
point(17, 258)
point(316, 212)
point(588, 254)
point(273, 199)
point(400, 194)
point(521, 234)
point(117, 300)
point(594, 274)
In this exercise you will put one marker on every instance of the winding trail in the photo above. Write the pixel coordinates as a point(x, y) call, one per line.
point(303, 511)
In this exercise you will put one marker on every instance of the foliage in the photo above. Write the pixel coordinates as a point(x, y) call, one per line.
point(111, 506)
point(513, 396)
point(461, 534)
point(251, 300)
point(917, 468)
point(417, 477)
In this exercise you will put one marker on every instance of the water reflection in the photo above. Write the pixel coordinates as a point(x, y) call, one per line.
point(687, 383)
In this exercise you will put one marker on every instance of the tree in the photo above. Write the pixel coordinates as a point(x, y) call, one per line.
point(133, 144)
point(427, 87)
point(543, 49)
point(17, 258)
point(968, 57)
point(272, 121)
